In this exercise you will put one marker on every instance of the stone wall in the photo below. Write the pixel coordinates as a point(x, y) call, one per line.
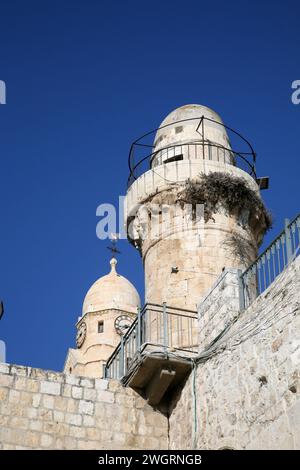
point(247, 386)
point(219, 307)
point(244, 393)
point(49, 410)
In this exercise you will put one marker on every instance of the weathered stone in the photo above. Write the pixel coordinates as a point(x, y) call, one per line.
point(77, 392)
point(86, 407)
point(90, 394)
point(6, 380)
point(46, 440)
point(52, 388)
point(74, 419)
point(4, 368)
point(48, 401)
point(105, 396)
point(3, 393)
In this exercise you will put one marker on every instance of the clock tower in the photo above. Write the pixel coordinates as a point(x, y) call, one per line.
point(109, 308)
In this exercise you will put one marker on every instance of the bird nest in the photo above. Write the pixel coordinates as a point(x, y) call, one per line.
point(233, 193)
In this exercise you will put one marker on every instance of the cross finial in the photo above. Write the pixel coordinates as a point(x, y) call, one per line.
point(114, 237)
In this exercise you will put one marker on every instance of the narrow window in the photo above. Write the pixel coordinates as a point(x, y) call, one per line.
point(176, 158)
point(100, 326)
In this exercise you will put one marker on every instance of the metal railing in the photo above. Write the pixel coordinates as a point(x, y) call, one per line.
point(159, 326)
point(142, 156)
point(264, 270)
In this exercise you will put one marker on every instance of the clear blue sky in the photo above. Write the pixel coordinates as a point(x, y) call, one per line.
point(84, 79)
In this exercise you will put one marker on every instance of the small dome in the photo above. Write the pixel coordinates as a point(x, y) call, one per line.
point(190, 111)
point(184, 127)
point(111, 291)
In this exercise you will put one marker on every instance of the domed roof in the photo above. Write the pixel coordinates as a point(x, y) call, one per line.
point(111, 291)
point(190, 111)
point(184, 126)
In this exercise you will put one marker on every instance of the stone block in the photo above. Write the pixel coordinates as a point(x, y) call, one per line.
point(58, 416)
point(105, 396)
point(36, 400)
point(18, 422)
point(77, 392)
point(66, 390)
point(48, 401)
point(88, 445)
point(86, 407)
point(88, 420)
point(74, 419)
point(31, 412)
point(6, 380)
point(4, 368)
point(102, 384)
point(60, 403)
point(51, 388)
point(46, 440)
point(32, 385)
point(93, 434)
point(78, 432)
point(3, 393)
point(20, 370)
point(26, 398)
point(72, 379)
point(35, 425)
point(90, 394)
point(72, 405)
point(85, 382)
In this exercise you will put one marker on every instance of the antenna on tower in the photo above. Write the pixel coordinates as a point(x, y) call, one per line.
point(114, 237)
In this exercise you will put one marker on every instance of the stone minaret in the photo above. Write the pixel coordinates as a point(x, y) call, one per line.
point(183, 249)
point(109, 307)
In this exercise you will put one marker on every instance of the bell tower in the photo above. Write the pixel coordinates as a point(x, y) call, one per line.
point(193, 205)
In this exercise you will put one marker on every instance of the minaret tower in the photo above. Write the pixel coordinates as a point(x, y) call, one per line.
point(109, 308)
point(196, 209)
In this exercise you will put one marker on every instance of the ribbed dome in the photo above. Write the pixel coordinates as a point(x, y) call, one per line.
point(111, 291)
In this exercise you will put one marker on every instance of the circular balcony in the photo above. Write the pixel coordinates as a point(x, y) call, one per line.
point(209, 140)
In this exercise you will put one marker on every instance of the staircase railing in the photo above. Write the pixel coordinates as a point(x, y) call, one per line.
point(265, 269)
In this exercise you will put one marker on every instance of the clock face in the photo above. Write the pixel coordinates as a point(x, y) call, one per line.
point(122, 324)
point(81, 334)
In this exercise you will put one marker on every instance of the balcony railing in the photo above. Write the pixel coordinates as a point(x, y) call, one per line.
point(143, 156)
point(160, 327)
point(260, 274)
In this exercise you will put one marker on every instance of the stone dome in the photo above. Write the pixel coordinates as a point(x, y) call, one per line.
point(182, 128)
point(111, 291)
point(190, 111)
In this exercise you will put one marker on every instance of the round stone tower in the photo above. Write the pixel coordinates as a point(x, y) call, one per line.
point(196, 209)
point(109, 308)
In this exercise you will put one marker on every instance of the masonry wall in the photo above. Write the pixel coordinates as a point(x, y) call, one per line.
point(247, 389)
point(49, 410)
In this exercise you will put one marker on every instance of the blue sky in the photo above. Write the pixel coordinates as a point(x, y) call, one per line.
point(86, 78)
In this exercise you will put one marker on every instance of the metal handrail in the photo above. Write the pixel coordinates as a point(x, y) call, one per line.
point(272, 262)
point(137, 336)
point(134, 168)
